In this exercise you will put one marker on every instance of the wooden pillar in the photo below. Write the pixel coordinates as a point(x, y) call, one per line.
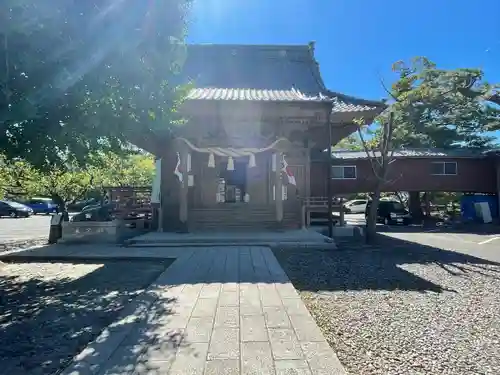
point(278, 188)
point(308, 174)
point(164, 190)
point(183, 199)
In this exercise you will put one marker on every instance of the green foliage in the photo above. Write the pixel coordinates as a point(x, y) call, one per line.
point(19, 179)
point(114, 170)
point(80, 77)
point(440, 108)
point(352, 143)
point(65, 185)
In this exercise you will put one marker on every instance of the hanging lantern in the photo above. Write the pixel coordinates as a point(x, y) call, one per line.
point(273, 163)
point(230, 164)
point(188, 162)
point(251, 161)
point(211, 160)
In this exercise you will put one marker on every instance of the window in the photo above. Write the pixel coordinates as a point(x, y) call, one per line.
point(444, 168)
point(344, 172)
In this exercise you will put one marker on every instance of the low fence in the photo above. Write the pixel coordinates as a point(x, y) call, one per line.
point(319, 206)
point(130, 202)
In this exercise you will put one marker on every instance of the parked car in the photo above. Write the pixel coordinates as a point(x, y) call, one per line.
point(14, 209)
point(390, 212)
point(42, 205)
point(356, 206)
point(96, 213)
point(90, 207)
point(106, 212)
point(79, 205)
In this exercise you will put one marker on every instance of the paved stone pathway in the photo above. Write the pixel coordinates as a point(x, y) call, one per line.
point(228, 310)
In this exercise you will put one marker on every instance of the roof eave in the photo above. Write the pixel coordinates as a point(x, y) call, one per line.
point(418, 157)
point(380, 105)
point(298, 101)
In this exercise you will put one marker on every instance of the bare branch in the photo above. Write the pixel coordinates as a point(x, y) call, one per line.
point(388, 91)
point(365, 147)
point(391, 131)
point(370, 157)
point(394, 180)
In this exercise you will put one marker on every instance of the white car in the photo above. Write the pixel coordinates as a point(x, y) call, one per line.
point(356, 206)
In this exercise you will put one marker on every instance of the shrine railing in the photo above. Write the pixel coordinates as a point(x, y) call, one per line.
point(319, 206)
point(130, 202)
point(320, 202)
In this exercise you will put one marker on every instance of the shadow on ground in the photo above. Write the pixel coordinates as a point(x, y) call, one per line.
point(50, 311)
point(356, 266)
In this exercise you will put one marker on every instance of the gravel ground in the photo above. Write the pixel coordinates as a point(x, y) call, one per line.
point(50, 311)
point(21, 244)
point(409, 310)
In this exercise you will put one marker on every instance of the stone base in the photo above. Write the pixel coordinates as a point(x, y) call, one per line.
point(90, 232)
point(297, 238)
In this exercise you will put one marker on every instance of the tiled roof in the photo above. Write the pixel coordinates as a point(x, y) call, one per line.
point(211, 93)
point(262, 73)
point(346, 106)
point(413, 153)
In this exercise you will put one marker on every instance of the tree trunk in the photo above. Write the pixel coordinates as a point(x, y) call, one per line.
point(415, 205)
point(61, 206)
point(427, 204)
point(371, 222)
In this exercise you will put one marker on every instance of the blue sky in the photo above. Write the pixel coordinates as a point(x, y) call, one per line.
point(358, 40)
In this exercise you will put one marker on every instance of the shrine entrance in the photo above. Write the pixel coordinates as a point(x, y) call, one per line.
point(234, 182)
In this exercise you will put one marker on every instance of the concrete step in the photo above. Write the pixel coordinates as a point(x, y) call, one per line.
point(218, 238)
point(309, 245)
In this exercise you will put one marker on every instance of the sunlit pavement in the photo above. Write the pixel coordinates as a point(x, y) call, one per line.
point(475, 239)
point(486, 246)
point(36, 226)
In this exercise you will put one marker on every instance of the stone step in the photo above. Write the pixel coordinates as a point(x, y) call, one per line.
point(240, 218)
point(203, 245)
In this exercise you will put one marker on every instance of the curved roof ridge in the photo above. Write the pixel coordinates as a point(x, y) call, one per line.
point(274, 72)
point(316, 72)
point(243, 45)
point(301, 48)
point(357, 100)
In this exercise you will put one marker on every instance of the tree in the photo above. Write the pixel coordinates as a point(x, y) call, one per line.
point(438, 108)
point(21, 180)
point(17, 178)
point(65, 186)
point(79, 77)
point(380, 159)
point(353, 142)
point(115, 170)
